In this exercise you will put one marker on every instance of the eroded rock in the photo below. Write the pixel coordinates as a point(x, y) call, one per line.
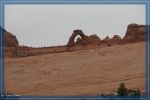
point(135, 33)
point(83, 40)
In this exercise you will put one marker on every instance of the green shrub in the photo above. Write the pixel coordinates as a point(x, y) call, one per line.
point(122, 90)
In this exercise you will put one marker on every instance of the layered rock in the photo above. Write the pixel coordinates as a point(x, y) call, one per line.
point(116, 39)
point(135, 33)
point(111, 41)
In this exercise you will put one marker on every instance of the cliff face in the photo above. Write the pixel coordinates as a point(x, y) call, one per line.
point(135, 33)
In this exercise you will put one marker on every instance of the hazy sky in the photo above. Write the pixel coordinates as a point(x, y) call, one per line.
point(50, 25)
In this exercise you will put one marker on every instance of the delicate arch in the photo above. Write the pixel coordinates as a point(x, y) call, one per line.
point(74, 34)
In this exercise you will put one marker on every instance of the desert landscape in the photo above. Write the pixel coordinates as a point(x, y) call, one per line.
point(88, 66)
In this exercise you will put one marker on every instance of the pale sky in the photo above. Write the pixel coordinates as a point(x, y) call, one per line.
point(52, 25)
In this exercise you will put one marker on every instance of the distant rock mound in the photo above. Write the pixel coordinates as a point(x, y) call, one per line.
point(116, 39)
point(106, 41)
point(94, 39)
point(10, 40)
point(135, 33)
point(107, 38)
point(111, 41)
point(10, 43)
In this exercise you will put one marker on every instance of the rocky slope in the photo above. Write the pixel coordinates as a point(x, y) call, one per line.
point(82, 72)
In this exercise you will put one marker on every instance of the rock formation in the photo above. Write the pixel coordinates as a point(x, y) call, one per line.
point(135, 33)
point(116, 39)
point(111, 41)
point(84, 40)
point(10, 40)
point(80, 41)
point(94, 39)
point(10, 43)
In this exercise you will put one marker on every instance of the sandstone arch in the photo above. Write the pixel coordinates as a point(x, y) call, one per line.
point(75, 33)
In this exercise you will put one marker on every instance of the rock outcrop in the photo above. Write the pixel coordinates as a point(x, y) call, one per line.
point(83, 40)
point(10, 40)
point(111, 41)
point(94, 39)
point(135, 33)
point(116, 39)
point(106, 41)
point(10, 43)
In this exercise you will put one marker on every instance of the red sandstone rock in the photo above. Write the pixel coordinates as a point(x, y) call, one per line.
point(10, 40)
point(93, 39)
point(135, 33)
point(106, 40)
point(84, 40)
point(116, 39)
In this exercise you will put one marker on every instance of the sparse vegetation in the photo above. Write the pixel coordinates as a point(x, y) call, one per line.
point(122, 90)
point(23, 54)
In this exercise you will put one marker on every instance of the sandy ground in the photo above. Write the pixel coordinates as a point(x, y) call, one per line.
point(84, 72)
